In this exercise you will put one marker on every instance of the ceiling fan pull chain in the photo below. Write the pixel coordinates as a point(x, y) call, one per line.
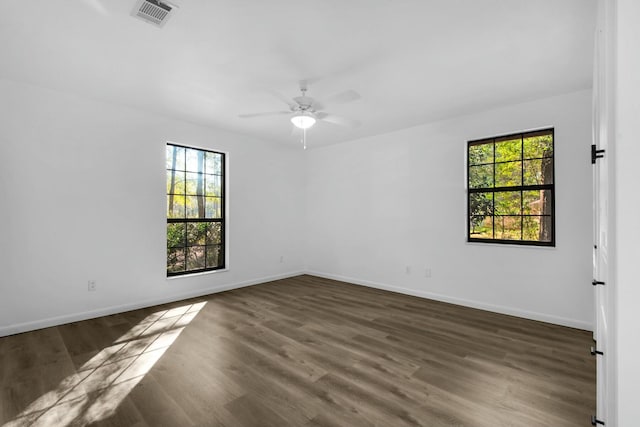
point(304, 139)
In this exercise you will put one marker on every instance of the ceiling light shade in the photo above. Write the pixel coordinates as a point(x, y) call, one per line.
point(303, 120)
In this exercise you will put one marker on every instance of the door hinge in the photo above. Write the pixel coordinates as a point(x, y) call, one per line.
point(595, 282)
point(596, 154)
point(594, 351)
point(595, 421)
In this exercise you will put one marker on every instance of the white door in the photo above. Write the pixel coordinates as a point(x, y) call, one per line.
point(600, 274)
point(602, 132)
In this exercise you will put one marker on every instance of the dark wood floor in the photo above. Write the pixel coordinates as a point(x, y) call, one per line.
point(303, 351)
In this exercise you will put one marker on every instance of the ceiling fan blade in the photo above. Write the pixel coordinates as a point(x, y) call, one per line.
point(337, 120)
point(270, 113)
point(283, 98)
point(342, 97)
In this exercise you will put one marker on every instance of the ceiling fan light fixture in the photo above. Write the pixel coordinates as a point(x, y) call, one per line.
point(303, 120)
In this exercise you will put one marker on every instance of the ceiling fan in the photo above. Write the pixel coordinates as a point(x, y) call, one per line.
point(305, 111)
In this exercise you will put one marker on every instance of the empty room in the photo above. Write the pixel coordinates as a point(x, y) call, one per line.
point(319, 213)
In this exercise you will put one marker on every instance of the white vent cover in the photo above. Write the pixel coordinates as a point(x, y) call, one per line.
point(153, 11)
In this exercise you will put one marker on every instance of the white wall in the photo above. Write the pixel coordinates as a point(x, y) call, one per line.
point(627, 208)
point(83, 197)
point(380, 204)
point(82, 186)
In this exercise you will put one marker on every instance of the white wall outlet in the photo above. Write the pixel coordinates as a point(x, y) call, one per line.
point(91, 285)
point(427, 272)
point(408, 269)
point(281, 259)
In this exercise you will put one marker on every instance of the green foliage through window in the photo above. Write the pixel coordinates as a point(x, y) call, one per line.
point(510, 184)
point(195, 210)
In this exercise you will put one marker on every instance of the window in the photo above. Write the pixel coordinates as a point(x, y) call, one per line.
point(510, 196)
point(195, 210)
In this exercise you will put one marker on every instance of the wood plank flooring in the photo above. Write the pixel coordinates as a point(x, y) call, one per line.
point(303, 351)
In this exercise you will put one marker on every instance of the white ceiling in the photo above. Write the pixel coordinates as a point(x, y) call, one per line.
point(412, 61)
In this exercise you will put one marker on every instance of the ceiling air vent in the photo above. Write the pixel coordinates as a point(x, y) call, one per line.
point(153, 11)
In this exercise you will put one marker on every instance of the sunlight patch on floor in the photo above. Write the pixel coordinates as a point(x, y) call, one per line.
point(103, 382)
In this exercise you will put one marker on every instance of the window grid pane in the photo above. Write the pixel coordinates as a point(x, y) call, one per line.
point(195, 210)
point(510, 182)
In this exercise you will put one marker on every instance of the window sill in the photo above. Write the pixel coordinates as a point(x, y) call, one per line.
point(510, 245)
point(202, 273)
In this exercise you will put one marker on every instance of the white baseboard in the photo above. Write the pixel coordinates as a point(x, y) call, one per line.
point(542, 317)
point(106, 311)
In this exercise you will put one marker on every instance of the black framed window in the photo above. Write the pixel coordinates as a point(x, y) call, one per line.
point(510, 189)
point(195, 210)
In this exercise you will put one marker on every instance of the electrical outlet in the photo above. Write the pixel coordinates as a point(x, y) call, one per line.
point(408, 269)
point(427, 272)
point(281, 259)
point(91, 285)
